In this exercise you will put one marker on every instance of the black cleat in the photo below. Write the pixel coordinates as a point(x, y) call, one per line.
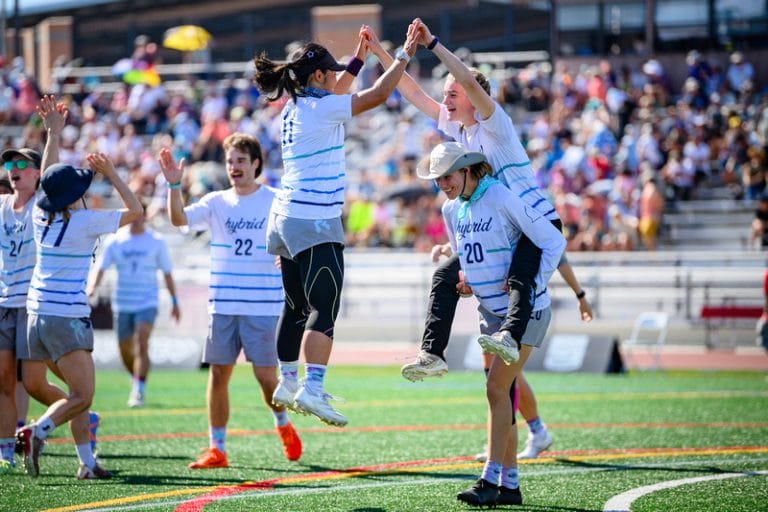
point(482, 494)
point(509, 496)
point(19, 447)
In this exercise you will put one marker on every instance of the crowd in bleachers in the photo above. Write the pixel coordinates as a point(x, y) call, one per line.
point(615, 148)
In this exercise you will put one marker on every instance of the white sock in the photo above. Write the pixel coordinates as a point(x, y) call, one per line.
point(43, 427)
point(85, 454)
point(289, 370)
point(7, 445)
point(281, 418)
point(314, 377)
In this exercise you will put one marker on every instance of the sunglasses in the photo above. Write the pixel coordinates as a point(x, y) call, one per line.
point(20, 164)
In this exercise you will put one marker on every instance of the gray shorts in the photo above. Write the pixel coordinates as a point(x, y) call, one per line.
point(228, 334)
point(13, 329)
point(287, 236)
point(534, 332)
point(126, 322)
point(50, 337)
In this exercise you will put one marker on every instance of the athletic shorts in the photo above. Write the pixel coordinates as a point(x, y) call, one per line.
point(534, 332)
point(13, 328)
point(229, 334)
point(126, 322)
point(50, 337)
point(287, 236)
point(648, 227)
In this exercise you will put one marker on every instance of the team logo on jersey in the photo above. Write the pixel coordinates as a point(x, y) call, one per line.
point(480, 226)
point(16, 227)
point(133, 253)
point(235, 225)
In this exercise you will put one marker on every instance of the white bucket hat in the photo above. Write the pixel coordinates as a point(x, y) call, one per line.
point(446, 158)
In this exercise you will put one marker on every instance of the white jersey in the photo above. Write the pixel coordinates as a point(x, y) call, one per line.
point(312, 140)
point(137, 259)
point(244, 278)
point(497, 139)
point(64, 254)
point(486, 238)
point(17, 247)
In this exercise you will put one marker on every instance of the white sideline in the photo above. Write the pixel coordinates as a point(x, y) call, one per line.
point(622, 502)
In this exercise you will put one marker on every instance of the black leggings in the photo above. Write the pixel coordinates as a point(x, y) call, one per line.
point(443, 296)
point(312, 284)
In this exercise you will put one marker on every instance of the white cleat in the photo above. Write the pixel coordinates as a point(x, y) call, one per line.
point(317, 405)
point(425, 365)
point(535, 444)
point(483, 455)
point(135, 400)
point(94, 473)
point(500, 344)
point(285, 393)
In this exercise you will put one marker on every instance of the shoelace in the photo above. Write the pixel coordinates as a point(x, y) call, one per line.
point(330, 397)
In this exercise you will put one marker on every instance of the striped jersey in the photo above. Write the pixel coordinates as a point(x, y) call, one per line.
point(17, 247)
point(64, 254)
point(497, 139)
point(486, 238)
point(244, 278)
point(137, 259)
point(312, 140)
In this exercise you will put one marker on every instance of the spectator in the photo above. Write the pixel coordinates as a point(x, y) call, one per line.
point(651, 207)
point(759, 236)
point(753, 173)
point(740, 73)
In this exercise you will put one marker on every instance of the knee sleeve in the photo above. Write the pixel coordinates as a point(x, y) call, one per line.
point(514, 395)
point(323, 276)
point(522, 287)
point(293, 318)
point(443, 299)
point(447, 275)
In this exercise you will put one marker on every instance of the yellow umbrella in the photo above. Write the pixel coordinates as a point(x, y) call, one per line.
point(186, 38)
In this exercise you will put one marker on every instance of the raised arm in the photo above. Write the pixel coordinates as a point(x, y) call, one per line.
point(103, 165)
point(173, 174)
point(54, 117)
point(407, 86)
point(380, 91)
point(482, 102)
point(347, 77)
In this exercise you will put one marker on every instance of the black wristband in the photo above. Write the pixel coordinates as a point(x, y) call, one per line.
point(432, 45)
point(581, 294)
point(354, 66)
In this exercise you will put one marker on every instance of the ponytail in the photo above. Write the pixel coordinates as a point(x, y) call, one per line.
point(271, 77)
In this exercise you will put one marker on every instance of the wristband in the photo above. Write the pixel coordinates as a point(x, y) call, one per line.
point(354, 66)
point(174, 300)
point(174, 186)
point(402, 55)
point(581, 294)
point(431, 46)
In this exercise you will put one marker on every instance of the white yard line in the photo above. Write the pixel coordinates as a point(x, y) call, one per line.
point(622, 502)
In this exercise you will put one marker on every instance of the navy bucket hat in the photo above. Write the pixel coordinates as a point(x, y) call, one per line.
point(62, 185)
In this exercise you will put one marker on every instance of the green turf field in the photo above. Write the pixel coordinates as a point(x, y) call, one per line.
point(641, 442)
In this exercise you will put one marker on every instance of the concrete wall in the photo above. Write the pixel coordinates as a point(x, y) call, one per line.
point(54, 37)
point(337, 27)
